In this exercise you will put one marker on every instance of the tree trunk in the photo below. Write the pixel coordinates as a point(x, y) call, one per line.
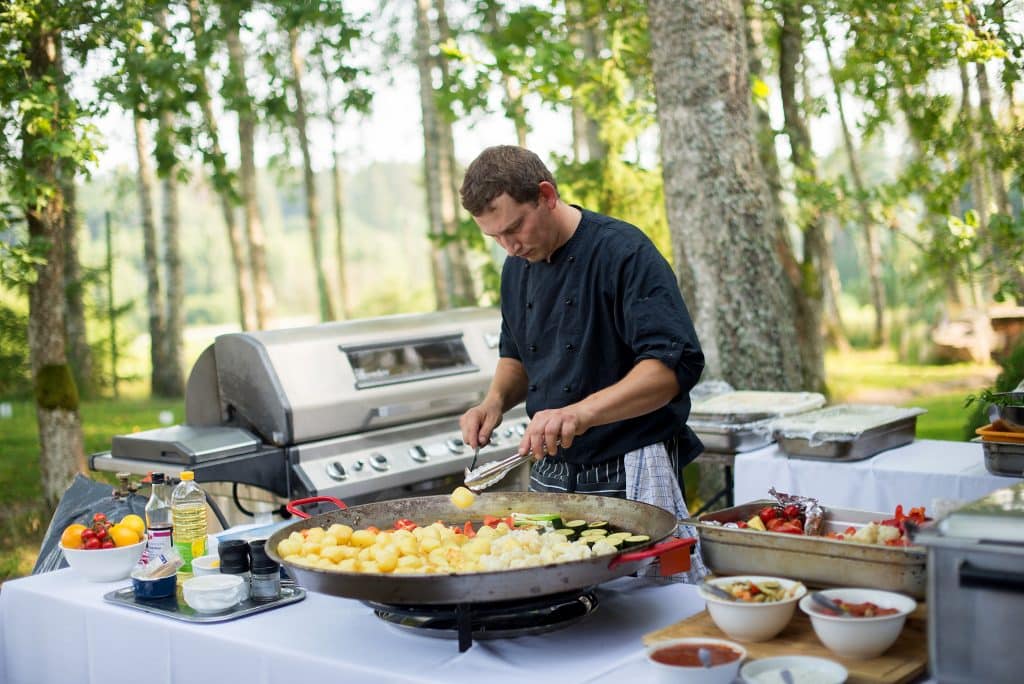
point(810, 292)
point(150, 249)
point(222, 182)
point(871, 238)
point(515, 109)
point(432, 153)
point(61, 449)
point(78, 342)
point(464, 293)
point(309, 179)
point(242, 103)
point(337, 201)
point(168, 378)
point(988, 125)
point(715, 195)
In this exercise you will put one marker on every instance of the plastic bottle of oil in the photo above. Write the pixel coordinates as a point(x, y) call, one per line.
point(188, 509)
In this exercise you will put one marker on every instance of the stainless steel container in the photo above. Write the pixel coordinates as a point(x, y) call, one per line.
point(976, 590)
point(818, 561)
point(1004, 458)
point(846, 432)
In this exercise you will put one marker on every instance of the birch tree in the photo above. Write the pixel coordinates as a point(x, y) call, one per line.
point(715, 195)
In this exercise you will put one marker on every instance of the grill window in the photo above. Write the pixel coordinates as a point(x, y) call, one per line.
point(388, 363)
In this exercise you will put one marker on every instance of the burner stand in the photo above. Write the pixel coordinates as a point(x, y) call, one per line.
point(494, 620)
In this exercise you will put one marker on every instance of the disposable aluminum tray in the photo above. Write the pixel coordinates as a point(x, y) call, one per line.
point(872, 429)
point(726, 438)
point(1004, 458)
point(817, 561)
point(175, 607)
point(747, 406)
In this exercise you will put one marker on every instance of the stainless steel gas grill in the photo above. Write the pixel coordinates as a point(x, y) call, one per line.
point(361, 410)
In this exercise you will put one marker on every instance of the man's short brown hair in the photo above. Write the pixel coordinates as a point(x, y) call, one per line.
point(501, 169)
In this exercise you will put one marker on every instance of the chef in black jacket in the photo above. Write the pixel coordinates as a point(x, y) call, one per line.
point(595, 338)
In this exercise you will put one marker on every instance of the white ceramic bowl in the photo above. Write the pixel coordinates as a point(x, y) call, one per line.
point(723, 673)
point(104, 565)
point(214, 593)
point(206, 565)
point(859, 638)
point(769, 670)
point(745, 621)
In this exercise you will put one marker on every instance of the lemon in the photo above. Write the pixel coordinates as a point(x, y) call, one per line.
point(134, 522)
point(71, 538)
point(122, 535)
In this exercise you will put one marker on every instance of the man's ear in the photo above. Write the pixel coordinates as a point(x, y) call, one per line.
point(548, 194)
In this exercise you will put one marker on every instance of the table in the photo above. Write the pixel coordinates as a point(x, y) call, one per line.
point(56, 627)
point(937, 474)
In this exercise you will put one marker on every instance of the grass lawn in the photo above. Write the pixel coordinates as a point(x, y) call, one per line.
point(859, 376)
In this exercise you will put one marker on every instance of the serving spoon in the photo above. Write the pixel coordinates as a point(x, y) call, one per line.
point(717, 591)
point(832, 606)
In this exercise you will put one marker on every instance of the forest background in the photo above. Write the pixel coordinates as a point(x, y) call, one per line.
point(839, 177)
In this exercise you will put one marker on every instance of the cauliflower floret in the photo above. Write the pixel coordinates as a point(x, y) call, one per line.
point(867, 534)
point(888, 533)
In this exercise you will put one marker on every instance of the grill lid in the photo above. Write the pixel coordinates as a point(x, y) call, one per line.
point(997, 517)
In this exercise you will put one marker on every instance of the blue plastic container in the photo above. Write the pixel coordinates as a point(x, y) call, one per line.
point(155, 589)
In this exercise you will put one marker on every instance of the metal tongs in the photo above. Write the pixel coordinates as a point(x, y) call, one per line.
point(479, 479)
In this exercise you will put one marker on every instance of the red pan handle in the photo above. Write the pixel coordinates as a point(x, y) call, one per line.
point(293, 506)
point(675, 555)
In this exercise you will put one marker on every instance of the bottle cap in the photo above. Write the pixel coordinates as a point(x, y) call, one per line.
point(261, 562)
point(157, 478)
point(234, 556)
point(186, 475)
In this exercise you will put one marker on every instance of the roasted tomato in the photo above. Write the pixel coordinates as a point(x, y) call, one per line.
point(405, 524)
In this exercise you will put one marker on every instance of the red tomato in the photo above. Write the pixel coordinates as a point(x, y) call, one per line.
point(788, 528)
point(791, 511)
point(741, 524)
point(405, 524)
point(468, 529)
point(491, 521)
point(767, 514)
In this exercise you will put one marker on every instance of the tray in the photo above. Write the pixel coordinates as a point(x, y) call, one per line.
point(988, 434)
point(750, 406)
point(846, 432)
point(1004, 458)
point(175, 607)
point(726, 438)
point(903, 662)
point(816, 561)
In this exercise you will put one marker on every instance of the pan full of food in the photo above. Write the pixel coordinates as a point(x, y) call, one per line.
point(492, 547)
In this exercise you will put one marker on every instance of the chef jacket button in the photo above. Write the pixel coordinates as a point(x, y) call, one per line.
point(566, 388)
point(568, 302)
point(533, 388)
point(572, 258)
point(568, 347)
point(533, 347)
point(529, 305)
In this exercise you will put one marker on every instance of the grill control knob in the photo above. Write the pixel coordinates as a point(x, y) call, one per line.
point(509, 432)
point(521, 429)
point(455, 445)
point(418, 454)
point(357, 465)
point(379, 461)
point(336, 471)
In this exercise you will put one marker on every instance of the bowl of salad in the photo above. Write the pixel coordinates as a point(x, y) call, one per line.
point(752, 607)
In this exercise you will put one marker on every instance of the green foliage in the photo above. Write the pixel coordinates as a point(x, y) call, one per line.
point(15, 373)
point(1011, 374)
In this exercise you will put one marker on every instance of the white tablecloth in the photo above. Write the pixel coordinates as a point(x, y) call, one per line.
point(56, 627)
point(927, 473)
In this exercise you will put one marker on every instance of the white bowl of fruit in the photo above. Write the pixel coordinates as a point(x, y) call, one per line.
point(104, 551)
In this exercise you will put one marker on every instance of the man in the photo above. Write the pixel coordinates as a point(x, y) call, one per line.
point(595, 338)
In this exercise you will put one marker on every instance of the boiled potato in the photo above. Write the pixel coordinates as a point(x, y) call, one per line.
point(463, 498)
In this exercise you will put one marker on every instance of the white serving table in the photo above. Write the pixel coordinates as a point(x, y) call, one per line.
point(56, 627)
point(936, 474)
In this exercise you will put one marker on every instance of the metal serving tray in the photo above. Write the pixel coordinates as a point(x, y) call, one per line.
point(747, 406)
point(726, 438)
point(819, 435)
point(175, 607)
point(817, 561)
point(1003, 458)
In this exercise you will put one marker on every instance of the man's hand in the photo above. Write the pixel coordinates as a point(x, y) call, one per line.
point(554, 428)
point(478, 422)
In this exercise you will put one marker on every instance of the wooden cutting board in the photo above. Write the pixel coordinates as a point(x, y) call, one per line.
point(903, 662)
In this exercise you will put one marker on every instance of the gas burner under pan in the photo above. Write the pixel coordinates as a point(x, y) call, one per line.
point(495, 620)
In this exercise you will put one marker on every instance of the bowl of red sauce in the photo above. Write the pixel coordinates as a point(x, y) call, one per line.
point(678, 661)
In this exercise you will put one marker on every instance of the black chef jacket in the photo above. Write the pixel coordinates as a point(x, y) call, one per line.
point(580, 322)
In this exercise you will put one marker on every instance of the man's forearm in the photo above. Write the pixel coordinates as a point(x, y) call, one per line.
point(647, 387)
point(508, 387)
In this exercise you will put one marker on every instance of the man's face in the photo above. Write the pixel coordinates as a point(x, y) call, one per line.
point(524, 230)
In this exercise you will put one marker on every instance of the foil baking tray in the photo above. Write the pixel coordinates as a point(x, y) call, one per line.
point(816, 561)
point(729, 438)
point(748, 406)
point(846, 432)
